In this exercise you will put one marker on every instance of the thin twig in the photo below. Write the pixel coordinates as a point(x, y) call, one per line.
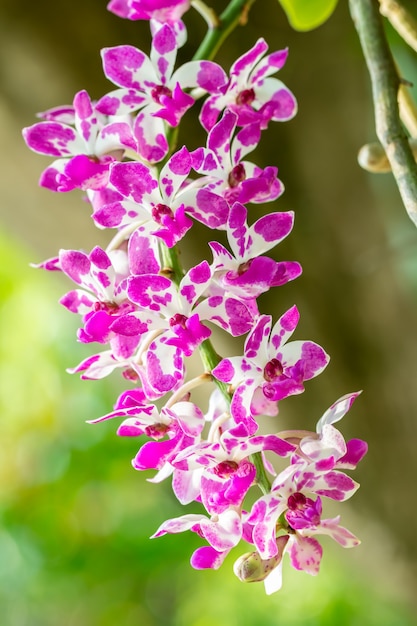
point(385, 86)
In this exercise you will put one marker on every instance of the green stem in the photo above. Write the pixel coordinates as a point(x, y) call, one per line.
point(171, 265)
point(385, 86)
point(234, 14)
point(262, 479)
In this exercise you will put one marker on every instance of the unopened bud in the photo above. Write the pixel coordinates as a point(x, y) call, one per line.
point(250, 568)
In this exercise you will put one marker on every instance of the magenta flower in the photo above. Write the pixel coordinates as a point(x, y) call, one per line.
point(145, 199)
point(163, 202)
point(289, 507)
point(169, 11)
point(101, 299)
point(245, 272)
point(329, 442)
point(228, 473)
point(251, 93)
point(86, 142)
point(224, 172)
point(176, 315)
point(149, 85)
point(222, 532)
point(276, 367)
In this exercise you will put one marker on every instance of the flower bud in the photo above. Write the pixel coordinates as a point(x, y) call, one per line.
point(250, 568)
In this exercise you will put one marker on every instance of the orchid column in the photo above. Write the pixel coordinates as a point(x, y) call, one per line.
point(151, 314)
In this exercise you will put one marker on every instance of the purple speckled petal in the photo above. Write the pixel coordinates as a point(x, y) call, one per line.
point(143, 254)
point(63, 113)
point(204, 74)
point(164, 53)
point(282, 331)
point(286, 271)
point(283, 105)
point(150, 134)
point(256, 344)
point(174, 173)
point(164, 367)
point(330, 443)
point(207, 557)
point(333, 484)
point(356, 450)
point(221, 257)
point(269, 65)
point(78, 301)
point(150, 291)
point(85, 119)
point(305, 554)
point(154, 454)
point(194, 284)
point(240, 408)
point(98, 366)
point(189, 417)
point(178, 524)
point(127, 66)
point(245, 141)
point(75, 264)
point(51, 176)
point(200, 455)
point(204, 161)
point(122, 102)
point(186, 485)
point(238, 232)
point(269, 230)
point(53, 139)
point(253, 281)
point(244, 64)
point(229, 313)
point(225, 533)
point(220, 137)
point(114, 136)
point(85, 173)
point(342, 535)
point(164, 10)
point(337, 410)
point(211, 210)
point(133, 180)
point(118, 214)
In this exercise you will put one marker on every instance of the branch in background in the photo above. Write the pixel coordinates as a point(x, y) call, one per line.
point(403, 22)
point(385, 86)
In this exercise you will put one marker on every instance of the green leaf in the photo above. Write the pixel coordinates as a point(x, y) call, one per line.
point(308, 14)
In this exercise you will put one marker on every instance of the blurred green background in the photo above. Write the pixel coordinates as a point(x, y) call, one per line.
point(75, 518)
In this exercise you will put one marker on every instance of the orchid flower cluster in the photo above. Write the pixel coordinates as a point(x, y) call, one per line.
point(150, 315)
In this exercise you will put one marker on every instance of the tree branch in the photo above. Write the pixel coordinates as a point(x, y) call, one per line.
point(385, 86)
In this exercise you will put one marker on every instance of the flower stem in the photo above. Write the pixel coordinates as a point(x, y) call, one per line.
point(262, 479)
point(234, 14)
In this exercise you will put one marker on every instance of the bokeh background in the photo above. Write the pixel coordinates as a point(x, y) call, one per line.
point(75, 518)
